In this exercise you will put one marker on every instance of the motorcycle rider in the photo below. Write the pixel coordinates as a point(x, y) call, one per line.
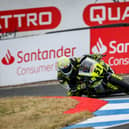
point(68, 74)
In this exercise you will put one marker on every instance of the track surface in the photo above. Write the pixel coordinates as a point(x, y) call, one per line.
point(47, 90)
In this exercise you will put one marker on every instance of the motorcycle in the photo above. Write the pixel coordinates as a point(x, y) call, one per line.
point(98, 80)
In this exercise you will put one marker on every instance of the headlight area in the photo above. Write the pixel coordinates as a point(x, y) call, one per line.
point(113, 61)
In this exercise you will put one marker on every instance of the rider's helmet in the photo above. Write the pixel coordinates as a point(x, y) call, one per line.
point(64, 65)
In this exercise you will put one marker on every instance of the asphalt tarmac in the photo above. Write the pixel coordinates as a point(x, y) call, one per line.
point(37, 90)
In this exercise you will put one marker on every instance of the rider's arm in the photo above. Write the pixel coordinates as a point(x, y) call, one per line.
point(76, 62)
point(96, 56)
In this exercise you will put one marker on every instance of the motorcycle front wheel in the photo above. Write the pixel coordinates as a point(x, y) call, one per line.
point(116, 80)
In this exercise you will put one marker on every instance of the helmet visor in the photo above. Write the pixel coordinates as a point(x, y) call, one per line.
point(67, 70)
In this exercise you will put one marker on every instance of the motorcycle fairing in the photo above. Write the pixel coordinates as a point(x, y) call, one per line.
point(91, 68)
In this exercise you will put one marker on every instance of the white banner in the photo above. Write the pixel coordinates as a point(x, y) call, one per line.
point(32, 59)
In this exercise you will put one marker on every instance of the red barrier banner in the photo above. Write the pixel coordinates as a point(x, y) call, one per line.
point(106, 13)
point(113, 42)
point(29, 19)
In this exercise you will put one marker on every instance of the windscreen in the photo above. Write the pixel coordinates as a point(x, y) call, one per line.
point(87, 65)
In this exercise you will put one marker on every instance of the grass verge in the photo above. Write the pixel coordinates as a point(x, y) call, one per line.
point(38, 113)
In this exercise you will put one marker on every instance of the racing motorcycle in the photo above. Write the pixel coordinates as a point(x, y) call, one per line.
point(98, 80)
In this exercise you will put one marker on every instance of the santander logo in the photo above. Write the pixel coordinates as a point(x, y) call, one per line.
point(8, 58)
point(99, 47)
point(38, 54)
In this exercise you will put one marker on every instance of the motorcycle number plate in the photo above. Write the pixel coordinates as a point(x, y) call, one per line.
point(98, 70)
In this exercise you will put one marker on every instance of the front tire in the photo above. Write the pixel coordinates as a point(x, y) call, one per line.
point(116, 80)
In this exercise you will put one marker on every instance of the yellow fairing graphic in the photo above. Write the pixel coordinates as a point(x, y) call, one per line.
point(97, 70)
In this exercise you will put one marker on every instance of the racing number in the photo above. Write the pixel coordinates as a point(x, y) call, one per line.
point(98, 69)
